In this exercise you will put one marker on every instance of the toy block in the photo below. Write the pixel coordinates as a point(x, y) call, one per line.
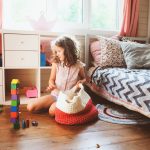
point(14, 86)
point(15, 103)
point(14, 109)
point(15, 97)
point(15, 81)
point(14, 114)
point(13, 120)
point(1, 107)
point(16, 125)
point(14, 92)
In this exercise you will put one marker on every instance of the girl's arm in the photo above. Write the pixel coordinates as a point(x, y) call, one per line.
point(82, 76)
point(52, 78)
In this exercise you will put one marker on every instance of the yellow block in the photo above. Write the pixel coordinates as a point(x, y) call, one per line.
point(15, 81)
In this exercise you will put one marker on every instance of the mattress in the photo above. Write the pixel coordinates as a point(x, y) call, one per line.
point(126, 87)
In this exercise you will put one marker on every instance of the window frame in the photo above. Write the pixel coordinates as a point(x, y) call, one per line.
point(86, 19)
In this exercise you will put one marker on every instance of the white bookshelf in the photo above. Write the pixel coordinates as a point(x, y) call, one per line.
point(21, 60)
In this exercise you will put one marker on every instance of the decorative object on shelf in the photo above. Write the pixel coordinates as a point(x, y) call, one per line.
point(15, 102)
point(42, 23)
point(42, 59)
point(46, 51)
point(32, 92)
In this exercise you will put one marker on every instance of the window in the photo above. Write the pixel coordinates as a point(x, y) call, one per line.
point(90, 14)
point(106, 14)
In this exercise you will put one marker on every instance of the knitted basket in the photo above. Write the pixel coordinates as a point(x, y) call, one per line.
point(75, 109)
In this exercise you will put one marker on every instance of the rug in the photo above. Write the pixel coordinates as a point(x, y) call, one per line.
point(120, 115)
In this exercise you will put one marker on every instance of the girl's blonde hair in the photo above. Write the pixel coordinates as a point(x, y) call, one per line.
point(71, 49)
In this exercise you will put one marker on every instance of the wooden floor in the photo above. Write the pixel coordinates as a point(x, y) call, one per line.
point(49, 135)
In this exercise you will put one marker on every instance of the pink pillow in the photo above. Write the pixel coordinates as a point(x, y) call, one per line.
point(95, 51)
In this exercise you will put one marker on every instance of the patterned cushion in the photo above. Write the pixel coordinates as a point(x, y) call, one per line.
point(111, 54)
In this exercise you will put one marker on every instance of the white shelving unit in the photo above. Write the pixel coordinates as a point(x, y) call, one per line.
point(21, 60)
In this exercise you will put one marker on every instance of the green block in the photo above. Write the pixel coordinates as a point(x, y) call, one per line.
point(1, 109)
point(14, 86)
point(16, 125)
point(15, 102)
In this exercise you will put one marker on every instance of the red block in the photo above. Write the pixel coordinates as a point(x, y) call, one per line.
point(14, 114)
point(14, 92)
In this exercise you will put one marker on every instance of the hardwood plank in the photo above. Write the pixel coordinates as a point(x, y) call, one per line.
point(141, 144)
point(51, 135)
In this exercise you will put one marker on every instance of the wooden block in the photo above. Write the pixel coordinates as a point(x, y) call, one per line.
point(13, 120)
point(15, 81)
point(14, 86)
point(14, 92)
point(15, 103)
point(15, 97)
point(16, 125)
point(14, 114)
point(14, 109)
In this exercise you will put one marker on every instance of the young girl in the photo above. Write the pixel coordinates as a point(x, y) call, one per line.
point(67, 71)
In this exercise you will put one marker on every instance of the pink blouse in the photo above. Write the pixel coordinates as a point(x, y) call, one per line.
point(67, 77)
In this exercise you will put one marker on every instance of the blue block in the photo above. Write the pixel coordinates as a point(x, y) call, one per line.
point(14, 109)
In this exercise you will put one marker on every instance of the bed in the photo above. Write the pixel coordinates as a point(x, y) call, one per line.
point(118, 81)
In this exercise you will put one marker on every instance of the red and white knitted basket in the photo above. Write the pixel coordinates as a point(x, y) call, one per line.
point(75, 109)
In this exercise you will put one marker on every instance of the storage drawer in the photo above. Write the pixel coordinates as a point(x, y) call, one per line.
point(1, 94)
point(21, 42)
point(19, 59)
point(1, 77)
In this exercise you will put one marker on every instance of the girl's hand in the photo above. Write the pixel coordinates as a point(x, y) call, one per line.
point(51, 86)
point(80, 81)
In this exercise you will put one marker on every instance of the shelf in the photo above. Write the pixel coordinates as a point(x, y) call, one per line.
point(25, 68)
point(23, 100)
point(46, 67)
point(33, 72)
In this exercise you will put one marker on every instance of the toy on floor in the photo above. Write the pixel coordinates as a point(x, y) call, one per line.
point(15, 102)
point(34, 123)
point(1, 107)
point(27, 123)
point(23, 124)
